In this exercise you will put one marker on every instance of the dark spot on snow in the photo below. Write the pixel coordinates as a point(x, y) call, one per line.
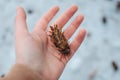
point(118, 5)
point(104, 20)
point(115, 66)
point(7, 29)
point(3, 75)
point(29, 11)
point(89, 34)
point(3, 37)
point(106, 41)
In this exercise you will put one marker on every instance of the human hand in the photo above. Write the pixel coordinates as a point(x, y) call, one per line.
point(36, 50)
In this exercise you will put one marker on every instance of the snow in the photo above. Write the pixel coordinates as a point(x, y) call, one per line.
point(93, 60)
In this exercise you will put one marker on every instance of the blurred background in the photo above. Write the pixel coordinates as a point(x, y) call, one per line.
point(98, 58)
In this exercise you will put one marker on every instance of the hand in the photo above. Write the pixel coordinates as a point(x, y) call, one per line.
point(36, 50)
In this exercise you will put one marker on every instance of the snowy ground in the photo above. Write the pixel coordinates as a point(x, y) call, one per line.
point(93, 60)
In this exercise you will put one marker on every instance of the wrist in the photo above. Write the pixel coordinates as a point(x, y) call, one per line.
point(22, 72)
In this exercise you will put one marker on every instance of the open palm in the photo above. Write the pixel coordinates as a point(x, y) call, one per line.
point(36, 50)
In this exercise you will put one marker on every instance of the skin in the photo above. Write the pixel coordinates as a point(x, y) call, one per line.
point(35, 49)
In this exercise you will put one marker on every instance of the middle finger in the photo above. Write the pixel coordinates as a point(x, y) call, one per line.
point(64, 18)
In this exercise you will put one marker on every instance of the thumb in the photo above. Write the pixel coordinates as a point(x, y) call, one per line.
point(20, 23)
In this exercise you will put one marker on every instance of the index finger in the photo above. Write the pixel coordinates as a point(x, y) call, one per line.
point(65, 17)
point(46, 18)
